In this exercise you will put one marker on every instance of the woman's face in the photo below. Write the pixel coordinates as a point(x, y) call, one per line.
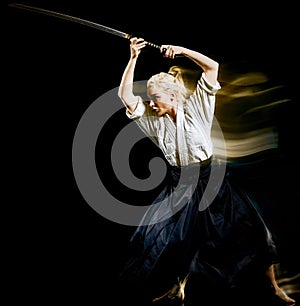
point(161, 102)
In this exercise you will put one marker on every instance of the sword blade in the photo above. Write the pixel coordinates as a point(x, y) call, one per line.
point(71, 18)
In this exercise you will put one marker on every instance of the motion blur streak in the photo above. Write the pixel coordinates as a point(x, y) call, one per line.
point(246, 111)
point(290, 284)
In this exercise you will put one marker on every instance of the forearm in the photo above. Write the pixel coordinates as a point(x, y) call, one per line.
point(209, 66)
point(125, 92)
point(200, 59)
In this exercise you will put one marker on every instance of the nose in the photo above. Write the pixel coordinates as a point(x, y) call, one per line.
point(151, 103)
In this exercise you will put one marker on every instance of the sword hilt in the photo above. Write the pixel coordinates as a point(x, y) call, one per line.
point(150, 44)
point(156, 46)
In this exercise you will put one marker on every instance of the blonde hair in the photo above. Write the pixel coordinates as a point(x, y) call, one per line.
point(167, 82)
point(176, 71)
point(188, 77)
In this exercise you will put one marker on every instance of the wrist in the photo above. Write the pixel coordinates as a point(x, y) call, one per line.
point(134, 57)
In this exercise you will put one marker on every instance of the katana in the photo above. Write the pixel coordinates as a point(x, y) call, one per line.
point(78, 20)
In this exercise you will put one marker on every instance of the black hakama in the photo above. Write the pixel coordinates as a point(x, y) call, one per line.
point(222, 245)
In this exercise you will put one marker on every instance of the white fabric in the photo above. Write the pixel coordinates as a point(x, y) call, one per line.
point(189, 141)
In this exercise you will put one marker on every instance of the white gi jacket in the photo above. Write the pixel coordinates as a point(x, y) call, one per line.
point(187, 141)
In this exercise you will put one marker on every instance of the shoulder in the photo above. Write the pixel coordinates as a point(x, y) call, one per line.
point(205, 85)
point(142, 110)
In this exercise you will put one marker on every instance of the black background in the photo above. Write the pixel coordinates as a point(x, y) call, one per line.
point(61, 249)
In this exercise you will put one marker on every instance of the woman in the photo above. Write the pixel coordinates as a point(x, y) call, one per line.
point(224, 245)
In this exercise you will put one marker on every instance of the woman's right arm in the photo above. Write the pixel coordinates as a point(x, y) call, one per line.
point(125, 92)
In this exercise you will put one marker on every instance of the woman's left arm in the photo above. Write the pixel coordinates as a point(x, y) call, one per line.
point(209, 66)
